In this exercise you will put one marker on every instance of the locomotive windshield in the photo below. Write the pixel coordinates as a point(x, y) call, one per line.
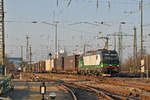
point(110, 57)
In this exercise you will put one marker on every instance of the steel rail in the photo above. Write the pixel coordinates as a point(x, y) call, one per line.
point(71, 92)
point(64, 86)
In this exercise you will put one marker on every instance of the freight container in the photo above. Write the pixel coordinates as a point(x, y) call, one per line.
point(71, 63)
point(33, 67)
point(24, 69)
point(37, 67)
point(59, 64)
point(27, 69)
point(49, 65)
point(52, 65)
point(42, 66)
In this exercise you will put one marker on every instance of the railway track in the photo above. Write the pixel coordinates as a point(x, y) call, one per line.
point(61, 85)
point(103, 94)
point(111, 95)
point(71, 88)
point(119, 94)
point(116, 92)
point(71, 92)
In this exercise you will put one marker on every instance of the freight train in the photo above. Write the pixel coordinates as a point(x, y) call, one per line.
point(97, 62)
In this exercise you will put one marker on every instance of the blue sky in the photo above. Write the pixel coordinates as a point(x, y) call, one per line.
point(21, 13)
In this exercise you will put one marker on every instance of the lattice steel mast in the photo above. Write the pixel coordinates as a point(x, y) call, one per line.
point(2, 36)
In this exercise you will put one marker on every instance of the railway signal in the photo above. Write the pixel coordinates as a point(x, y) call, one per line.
point(43, 90)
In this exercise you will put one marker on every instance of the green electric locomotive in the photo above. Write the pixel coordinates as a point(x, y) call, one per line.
point(98, 62)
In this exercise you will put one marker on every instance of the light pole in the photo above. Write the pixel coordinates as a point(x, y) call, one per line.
point(135, 51)
point(141, 20)
point(56, 35)
point(141, 14)
point(120, 38)
point(148, 58)
point(56, 41)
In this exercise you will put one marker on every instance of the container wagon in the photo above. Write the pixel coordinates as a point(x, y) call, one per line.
point(59, 65)
point(71, 64)
point(67, 64)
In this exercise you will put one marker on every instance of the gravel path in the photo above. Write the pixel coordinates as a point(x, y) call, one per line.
point(31, 91)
